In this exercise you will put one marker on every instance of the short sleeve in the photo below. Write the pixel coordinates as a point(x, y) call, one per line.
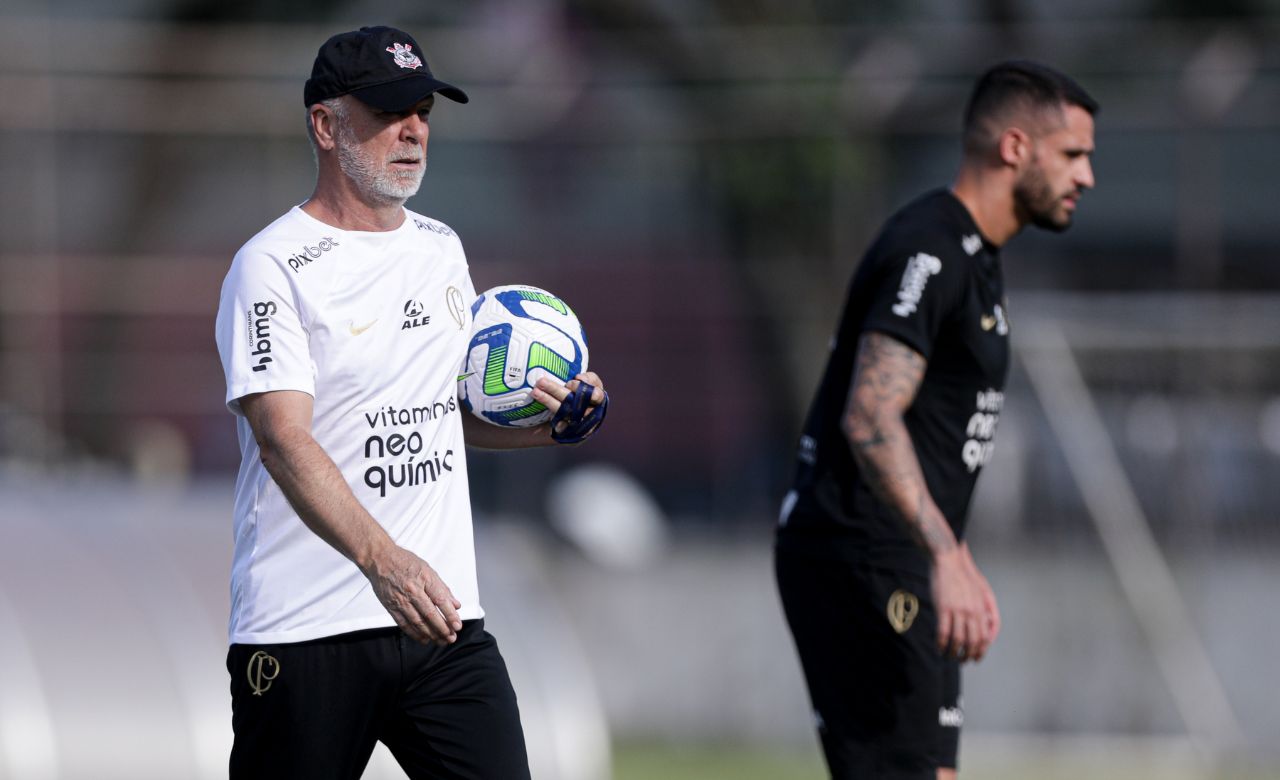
point(261, 333)
point(916, 295)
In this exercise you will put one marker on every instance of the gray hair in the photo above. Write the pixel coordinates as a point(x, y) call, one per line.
point(338, 107)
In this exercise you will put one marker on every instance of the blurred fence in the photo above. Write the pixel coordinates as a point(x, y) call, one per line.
point(700, 190)
point(698, 180)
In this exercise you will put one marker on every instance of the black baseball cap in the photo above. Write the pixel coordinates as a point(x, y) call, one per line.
point(380, 66)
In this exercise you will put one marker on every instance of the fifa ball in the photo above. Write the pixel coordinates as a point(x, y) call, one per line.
point(519, 334)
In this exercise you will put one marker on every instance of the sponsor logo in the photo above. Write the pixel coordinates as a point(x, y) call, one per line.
point(981, 430)
point(404, 56)
point(808, 451)
point(413, 316)
point(259, 325)
point(788, 506)
point(902, 610)
point(390, 416)
point(262, 670)
point(457, 307)
point(950, 717)
point(356, 330)
point(464, 376)
point(971, 244)
point(919, 268)
point(996, 320)
point(434, 227)
point(310, 254)
point(420, 467)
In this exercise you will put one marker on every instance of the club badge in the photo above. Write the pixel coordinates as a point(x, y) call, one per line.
point(902, 610)
point(404, 56)
point(262, 670)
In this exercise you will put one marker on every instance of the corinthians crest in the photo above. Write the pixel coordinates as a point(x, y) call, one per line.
point(404, 55)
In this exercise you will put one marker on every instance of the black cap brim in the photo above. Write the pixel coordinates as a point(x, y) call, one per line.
point(404, 94)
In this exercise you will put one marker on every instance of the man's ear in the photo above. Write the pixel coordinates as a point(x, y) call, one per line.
point(322, 126)
point(1015, 147)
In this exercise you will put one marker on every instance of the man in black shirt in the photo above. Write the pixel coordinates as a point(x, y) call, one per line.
point(881, 593)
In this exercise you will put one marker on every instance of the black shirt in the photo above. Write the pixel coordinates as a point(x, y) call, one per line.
point(932, 282)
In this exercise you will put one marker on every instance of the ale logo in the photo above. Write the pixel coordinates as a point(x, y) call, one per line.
point(413, 316)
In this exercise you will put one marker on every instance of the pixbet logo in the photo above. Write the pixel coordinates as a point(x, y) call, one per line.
point(260, 332)
point(413, 315)
point(434, 227)
point(310, 254)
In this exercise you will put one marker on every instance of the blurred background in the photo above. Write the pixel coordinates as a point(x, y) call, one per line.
point(699, 180)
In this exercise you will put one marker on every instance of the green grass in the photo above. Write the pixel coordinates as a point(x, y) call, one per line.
point(666, 762)
point(730, 762)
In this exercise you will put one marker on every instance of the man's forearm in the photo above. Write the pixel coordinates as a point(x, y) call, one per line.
point(480, 434)
point(885, 382)
point(317, 491)
point(887, 459)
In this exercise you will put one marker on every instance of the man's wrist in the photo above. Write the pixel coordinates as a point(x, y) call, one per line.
point(942, 547)
point(368, 556)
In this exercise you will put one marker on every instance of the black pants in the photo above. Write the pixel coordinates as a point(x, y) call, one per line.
point(314, 710)
point(885, 700)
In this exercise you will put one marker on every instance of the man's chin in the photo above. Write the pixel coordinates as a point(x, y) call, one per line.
point(1056, 223)
point(397, 194)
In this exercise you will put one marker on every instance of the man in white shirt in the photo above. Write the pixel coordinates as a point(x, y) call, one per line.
point(355, 615)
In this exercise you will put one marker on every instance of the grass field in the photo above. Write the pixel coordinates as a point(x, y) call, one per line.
point(666, 762)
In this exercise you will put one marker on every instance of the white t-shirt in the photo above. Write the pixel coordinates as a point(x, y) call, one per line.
point(374, 326)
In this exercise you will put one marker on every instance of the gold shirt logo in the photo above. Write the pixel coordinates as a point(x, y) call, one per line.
point(902, 610)
point(262, 670)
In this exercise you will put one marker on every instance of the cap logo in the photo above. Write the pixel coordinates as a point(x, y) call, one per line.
point(404, 55)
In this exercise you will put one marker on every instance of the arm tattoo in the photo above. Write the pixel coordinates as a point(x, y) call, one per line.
point(885, 381)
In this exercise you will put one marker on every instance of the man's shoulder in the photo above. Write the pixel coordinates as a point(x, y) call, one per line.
point(930, 221)
point(284, 228)
point(928, 225)
point(292, 243)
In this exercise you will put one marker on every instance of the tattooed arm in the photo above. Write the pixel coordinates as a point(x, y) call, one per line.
point(885, 380)
point(886, 377)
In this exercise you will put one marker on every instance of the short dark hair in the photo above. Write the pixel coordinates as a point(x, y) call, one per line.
point(1017, 86)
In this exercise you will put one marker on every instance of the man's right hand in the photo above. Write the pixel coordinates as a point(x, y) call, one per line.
point(961, 598)
point(422, 605)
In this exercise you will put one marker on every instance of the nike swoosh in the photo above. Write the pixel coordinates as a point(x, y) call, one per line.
point(464, 376)
point(351, 324)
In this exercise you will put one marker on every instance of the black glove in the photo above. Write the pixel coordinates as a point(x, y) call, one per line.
point(576, 411)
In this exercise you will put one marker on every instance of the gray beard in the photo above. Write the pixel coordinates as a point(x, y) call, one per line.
point(372, 179)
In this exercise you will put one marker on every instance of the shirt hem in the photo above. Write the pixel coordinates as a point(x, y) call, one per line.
point(327, 629)
point(236, 392)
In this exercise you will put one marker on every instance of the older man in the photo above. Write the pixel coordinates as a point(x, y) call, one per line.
point(355, 614)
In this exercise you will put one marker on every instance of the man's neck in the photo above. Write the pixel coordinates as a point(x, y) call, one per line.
point(345, 210)
point(988, 197)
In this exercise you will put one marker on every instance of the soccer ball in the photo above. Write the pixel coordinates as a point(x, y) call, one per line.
point(519, 334)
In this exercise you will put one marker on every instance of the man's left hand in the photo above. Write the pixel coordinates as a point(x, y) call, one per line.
point(553, 395)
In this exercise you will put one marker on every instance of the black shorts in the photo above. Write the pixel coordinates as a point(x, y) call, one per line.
point(885, 700)
point(315, 709)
